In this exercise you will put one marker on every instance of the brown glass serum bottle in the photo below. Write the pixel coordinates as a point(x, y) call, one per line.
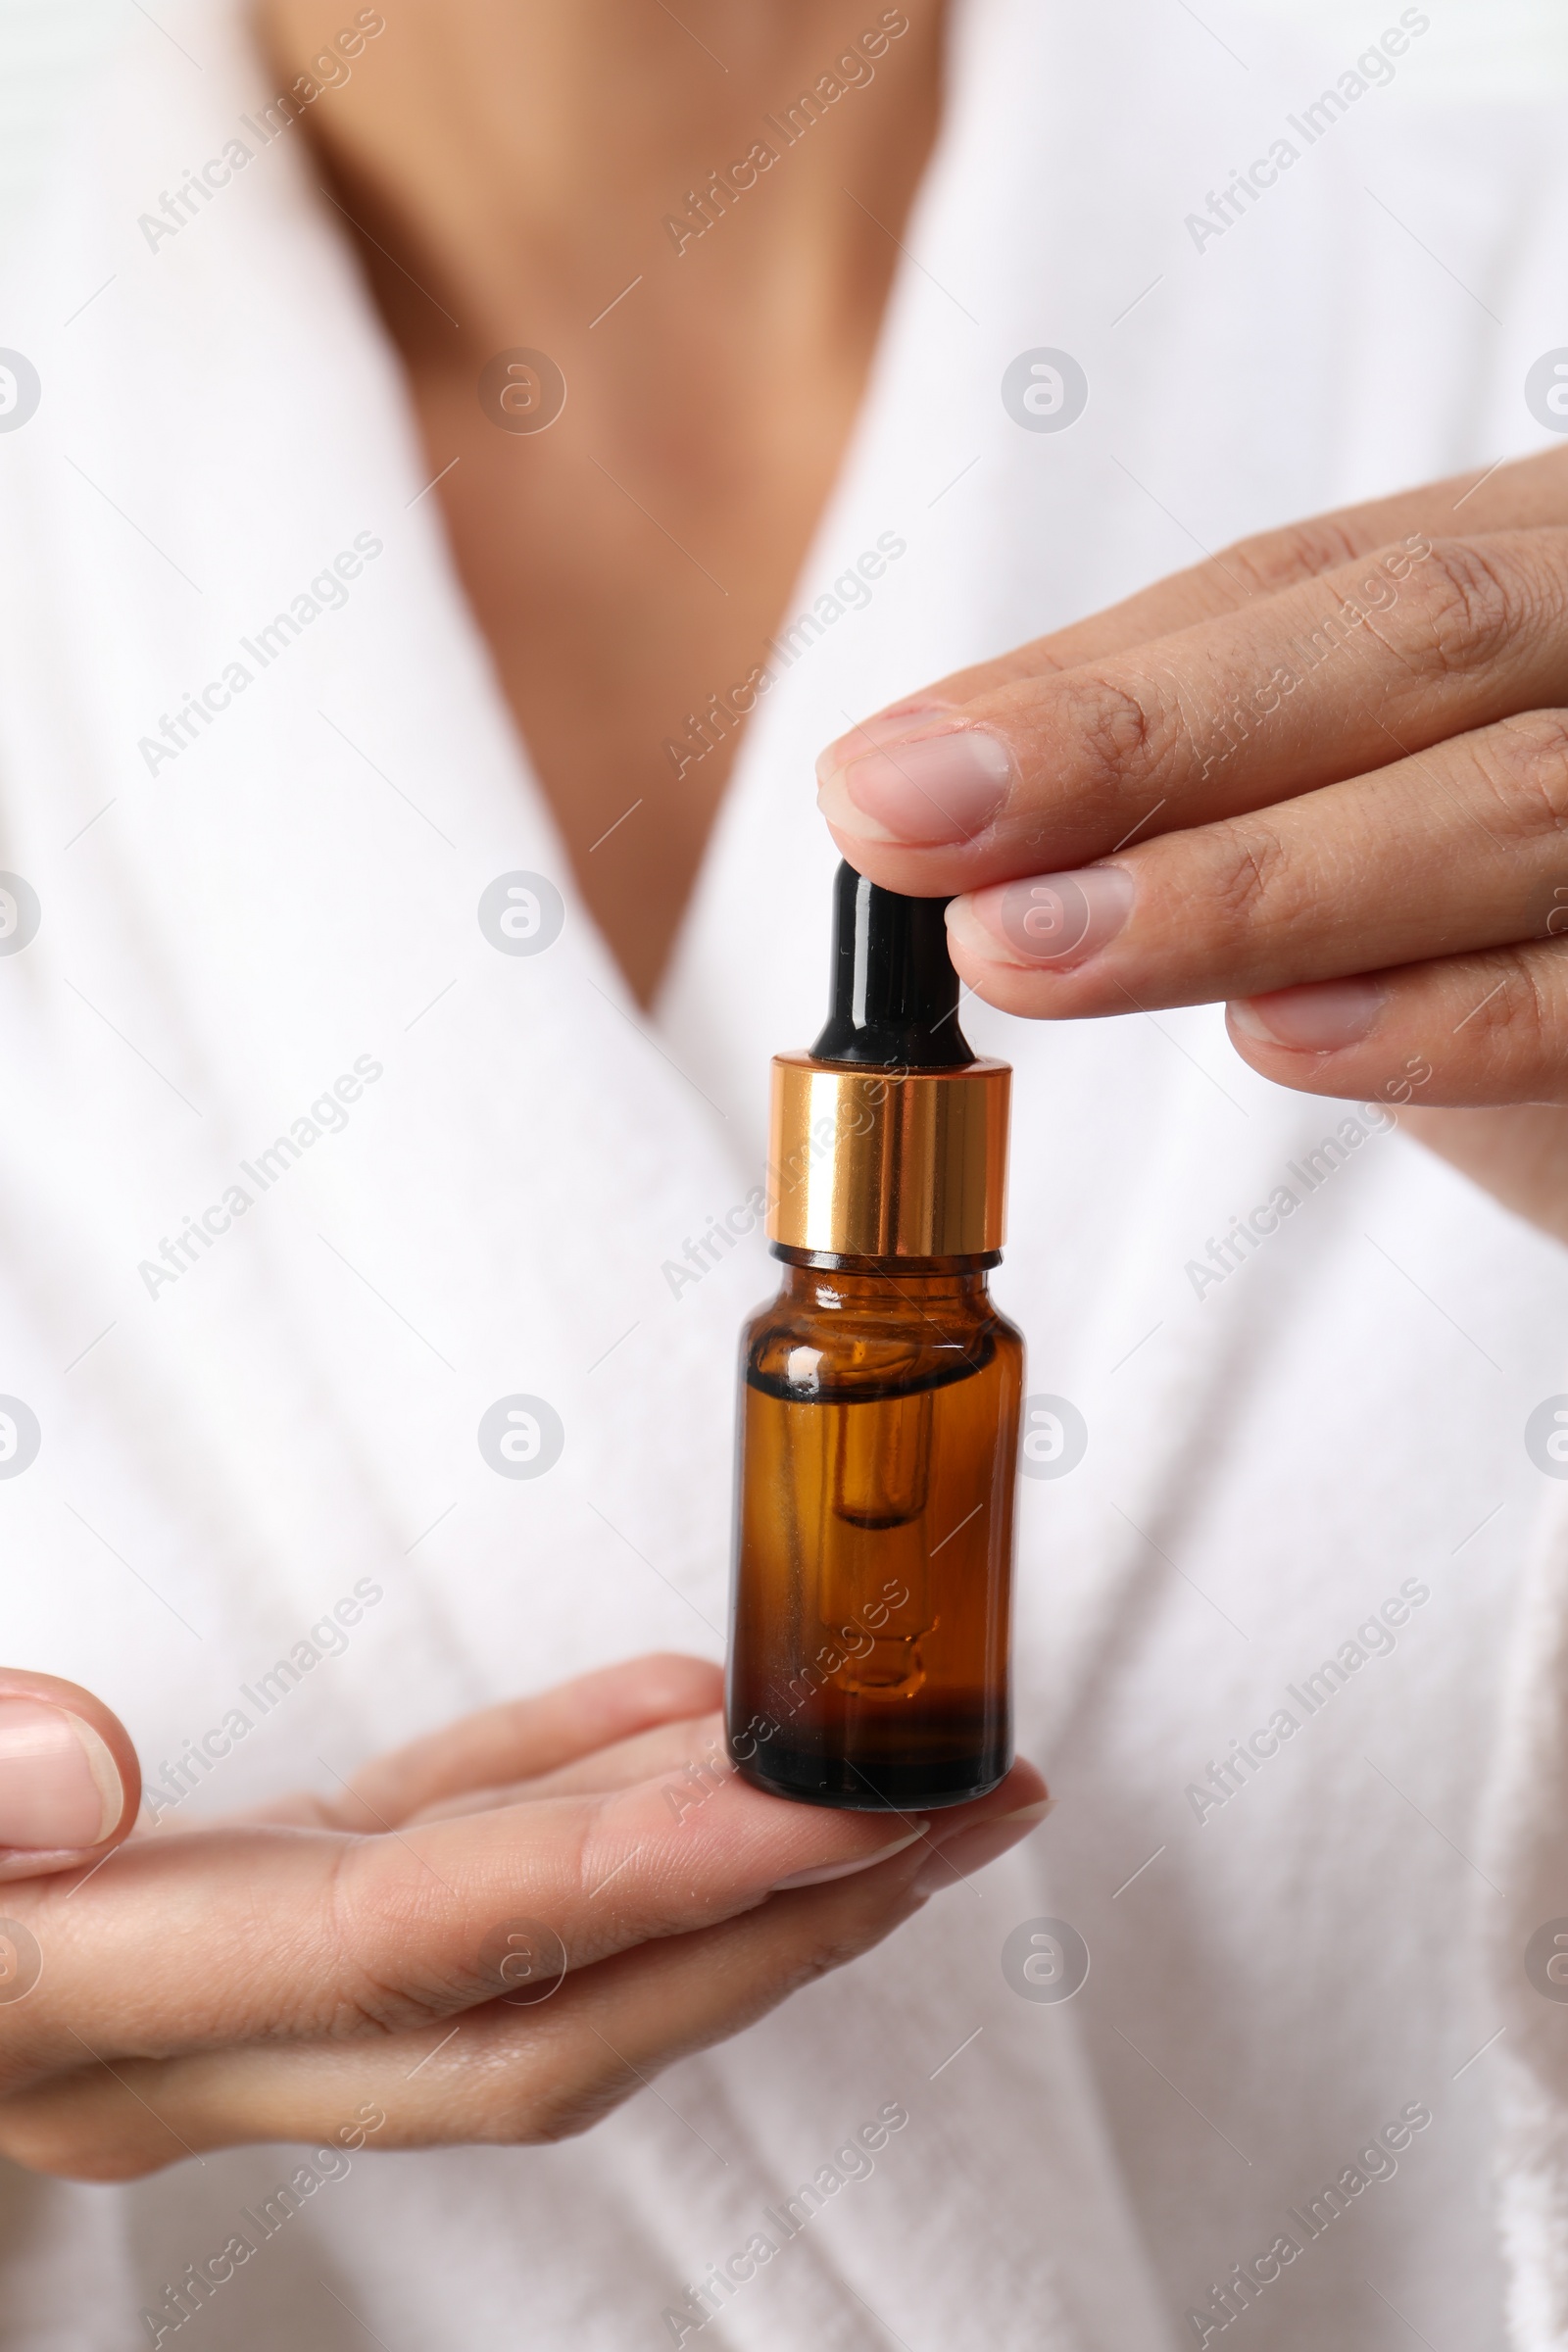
point(868, 1661)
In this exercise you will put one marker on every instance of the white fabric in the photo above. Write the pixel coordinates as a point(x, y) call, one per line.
point(1527, 1859)
point(1267, 1463)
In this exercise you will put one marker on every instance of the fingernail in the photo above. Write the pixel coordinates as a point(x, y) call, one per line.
point(1320, 1017)
point(1051, 921)
point(845, 1870)
point(59, 1785)
point(971, 1849)
point(920, 787)
point(872, 734)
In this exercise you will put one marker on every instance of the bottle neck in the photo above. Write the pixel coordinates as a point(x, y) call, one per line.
point(816, 1276)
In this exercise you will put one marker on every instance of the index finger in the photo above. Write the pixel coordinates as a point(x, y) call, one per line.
point(1374, 661)
point(1506, 498)
point(519, 1740)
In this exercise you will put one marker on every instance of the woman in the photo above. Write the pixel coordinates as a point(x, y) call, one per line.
point(737, 293)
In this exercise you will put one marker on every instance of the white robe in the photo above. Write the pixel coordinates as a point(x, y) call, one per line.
point(1271, 1457)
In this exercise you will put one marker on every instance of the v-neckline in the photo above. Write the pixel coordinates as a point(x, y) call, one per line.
point(758, 727)
point(769, 715)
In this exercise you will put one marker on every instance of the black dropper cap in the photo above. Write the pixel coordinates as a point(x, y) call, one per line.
point(895, 990)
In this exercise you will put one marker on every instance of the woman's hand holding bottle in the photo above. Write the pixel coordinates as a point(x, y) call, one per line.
point(1322, 777)
point(496, 1934)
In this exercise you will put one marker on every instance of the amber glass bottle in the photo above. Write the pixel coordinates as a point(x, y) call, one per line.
point(879, 1402)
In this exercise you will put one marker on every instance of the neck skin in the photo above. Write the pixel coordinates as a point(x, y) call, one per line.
point(517, 162)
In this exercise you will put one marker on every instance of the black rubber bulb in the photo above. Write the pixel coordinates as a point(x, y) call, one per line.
point(895, 1001)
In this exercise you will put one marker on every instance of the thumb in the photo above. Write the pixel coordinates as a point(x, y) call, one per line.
point(70, 1783)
